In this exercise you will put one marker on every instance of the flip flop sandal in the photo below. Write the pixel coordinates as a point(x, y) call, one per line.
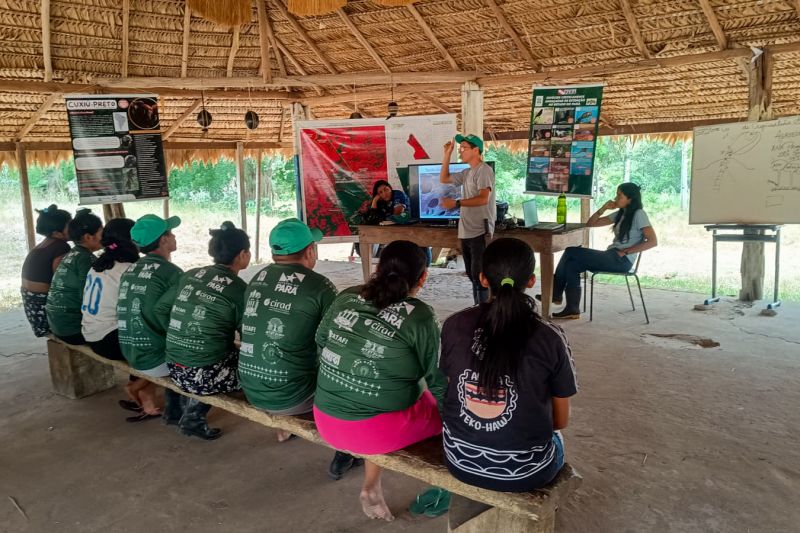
point(292, 436)
point(141, 417)
point(433, 502)
point(130, 406)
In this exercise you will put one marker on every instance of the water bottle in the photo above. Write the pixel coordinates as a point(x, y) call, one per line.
point(561, 209)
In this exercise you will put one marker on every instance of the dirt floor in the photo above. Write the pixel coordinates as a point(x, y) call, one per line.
point(669, 436)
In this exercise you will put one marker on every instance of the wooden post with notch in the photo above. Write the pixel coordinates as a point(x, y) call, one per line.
point(240, 175)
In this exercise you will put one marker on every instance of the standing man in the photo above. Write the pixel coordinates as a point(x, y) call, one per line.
point(477, 204)
point(284, 304)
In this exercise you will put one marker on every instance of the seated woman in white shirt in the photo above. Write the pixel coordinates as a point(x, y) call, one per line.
point(100, 294)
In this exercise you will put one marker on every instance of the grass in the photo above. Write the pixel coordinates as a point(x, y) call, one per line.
point(682, 260)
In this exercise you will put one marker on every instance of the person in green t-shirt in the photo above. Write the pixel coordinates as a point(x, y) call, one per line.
point(142, 331)
point(65, 297)
point(284, 304)
point(377, 343)
point(206, 311)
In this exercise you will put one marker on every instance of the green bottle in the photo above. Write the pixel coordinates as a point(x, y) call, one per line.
point(561, 209)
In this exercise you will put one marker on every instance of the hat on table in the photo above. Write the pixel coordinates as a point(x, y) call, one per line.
point(291, 235)
point(150, 227)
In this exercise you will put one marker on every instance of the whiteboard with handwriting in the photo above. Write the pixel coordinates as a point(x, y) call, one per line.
point(746, 173)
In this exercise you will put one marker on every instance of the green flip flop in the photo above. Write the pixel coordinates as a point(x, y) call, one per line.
point(433, 502)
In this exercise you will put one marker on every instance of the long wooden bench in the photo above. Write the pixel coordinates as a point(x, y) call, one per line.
point(77, 371)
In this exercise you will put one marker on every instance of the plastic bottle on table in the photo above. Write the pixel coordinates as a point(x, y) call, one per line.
point(561, 209)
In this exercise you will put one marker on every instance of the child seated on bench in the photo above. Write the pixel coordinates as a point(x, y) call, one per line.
point(207, 308)
point(66, 291)
point(378, 341)
point(510, 377)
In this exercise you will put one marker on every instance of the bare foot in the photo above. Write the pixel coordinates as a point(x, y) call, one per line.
point(147, 399)
point(374, 505)
point(130, 393)
point(283, 436)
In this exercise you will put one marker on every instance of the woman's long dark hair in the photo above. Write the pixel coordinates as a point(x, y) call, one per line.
point(84, 223)
point(622, 226)
point(117, 245)
point(510, 319)
point(227, 243)
point(51, 219)
point(401, 265)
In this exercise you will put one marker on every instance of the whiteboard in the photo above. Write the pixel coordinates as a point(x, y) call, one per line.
point(746, 173)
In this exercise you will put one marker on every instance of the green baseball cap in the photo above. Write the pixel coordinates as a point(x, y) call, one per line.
point(474, 140)
point(291, 235)
point(150, 227)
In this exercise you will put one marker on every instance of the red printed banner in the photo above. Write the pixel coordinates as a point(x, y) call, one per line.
point(340, 165)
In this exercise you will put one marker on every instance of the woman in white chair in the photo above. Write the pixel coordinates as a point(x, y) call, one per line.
point(633, 234)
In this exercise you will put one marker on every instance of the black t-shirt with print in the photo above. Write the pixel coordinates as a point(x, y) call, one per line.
point(502, 439)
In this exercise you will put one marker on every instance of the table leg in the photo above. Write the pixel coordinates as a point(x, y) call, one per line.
point(366, 259)
point(546, 259)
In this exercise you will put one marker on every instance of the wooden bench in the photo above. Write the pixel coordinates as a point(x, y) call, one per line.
point(77, 371)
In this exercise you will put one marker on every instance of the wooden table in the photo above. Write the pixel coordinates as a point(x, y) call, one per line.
point(544, 242)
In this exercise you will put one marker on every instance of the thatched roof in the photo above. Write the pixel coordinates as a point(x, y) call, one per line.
point(670, 61)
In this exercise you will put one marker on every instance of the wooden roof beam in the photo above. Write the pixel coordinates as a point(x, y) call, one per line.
point(273, 41)
point(46, 50)
point(126, 22)
point(187, 22)
point(713, 21)
point(234, 49)
point(304, 35)
point(432, 38)
point(294, 62)
point(436, 103)
point(264, 42)
point(361, 39)
point(501, 18)
point(365, 96)
point(797, 7)
point(634, 27)
point(178, 121)
point(42, 111)
point(188, 144)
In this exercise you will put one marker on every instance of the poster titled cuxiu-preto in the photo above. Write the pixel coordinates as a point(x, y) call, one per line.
point(116, 142)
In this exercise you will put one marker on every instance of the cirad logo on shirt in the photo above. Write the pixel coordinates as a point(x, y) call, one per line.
point(346, 319)
point(289, 284)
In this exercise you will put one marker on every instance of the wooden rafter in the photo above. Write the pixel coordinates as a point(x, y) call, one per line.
point(426, 29)
point(501, 18)
point(304, 35)
point(178, 121)
point(436, 103)
point(234, 49)
point(187, 24)
point(273, 41)
point(34, 119)
point(46, 51)
point(797, 7)
point(713, 21)
point(126, 22)
point(179, 144)
point(361, 39)
point(264, 41)
point(634, 27)
point(282, 49)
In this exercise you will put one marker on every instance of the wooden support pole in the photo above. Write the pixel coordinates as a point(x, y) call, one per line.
point(586, 212)
point(759, 73)
point(25, 191)
point(259, 181)
point(472, 109)
point(187, 23)
point(234, 50)
point(46, 53)
point(264, 42)
point(126, 12)
point(283, 122)
point(685, 162)
point(166, 208)
point(240, 174)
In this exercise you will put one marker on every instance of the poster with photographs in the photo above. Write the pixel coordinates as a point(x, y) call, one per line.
point(563, 137)
point(116, 143)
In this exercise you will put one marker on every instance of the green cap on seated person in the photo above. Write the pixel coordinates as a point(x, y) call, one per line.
point(150, 227)
point(291, 236)
point(474, 140)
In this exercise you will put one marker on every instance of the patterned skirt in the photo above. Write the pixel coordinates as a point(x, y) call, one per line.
point(33, 303)
point(216, 378)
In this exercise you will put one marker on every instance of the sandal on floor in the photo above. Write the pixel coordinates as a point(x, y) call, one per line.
point(141, 417)
point(130, 406)
point(433, 502)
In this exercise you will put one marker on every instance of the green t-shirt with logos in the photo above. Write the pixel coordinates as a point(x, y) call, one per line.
point(372, 362)
point(284, 304)
point(207, 306)
point(142, 331)
point(65, 297)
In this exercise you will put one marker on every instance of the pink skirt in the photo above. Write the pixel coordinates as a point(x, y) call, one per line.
point(384, 433)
